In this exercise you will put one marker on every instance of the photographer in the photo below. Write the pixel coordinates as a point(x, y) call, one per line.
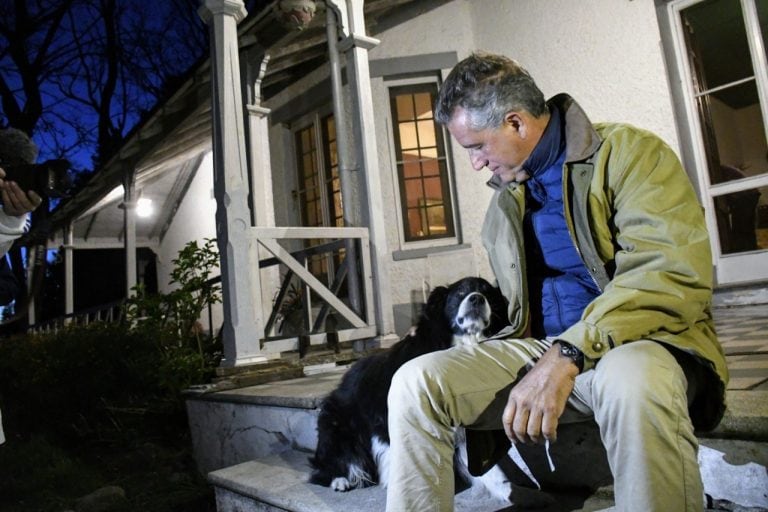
point(15, 205)
point(15, 149)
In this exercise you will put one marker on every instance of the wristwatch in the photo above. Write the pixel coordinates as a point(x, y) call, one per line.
point(572, 353)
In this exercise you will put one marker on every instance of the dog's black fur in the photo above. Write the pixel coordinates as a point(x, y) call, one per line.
point(352, 425)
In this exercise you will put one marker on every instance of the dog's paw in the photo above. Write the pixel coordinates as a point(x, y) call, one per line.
point(341, 484)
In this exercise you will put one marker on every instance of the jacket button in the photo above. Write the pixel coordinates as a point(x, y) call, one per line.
point(597, 346)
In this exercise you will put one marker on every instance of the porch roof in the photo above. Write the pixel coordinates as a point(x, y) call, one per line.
point(165, 148)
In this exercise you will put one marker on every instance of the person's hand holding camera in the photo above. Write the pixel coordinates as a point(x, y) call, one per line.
point(15, 201)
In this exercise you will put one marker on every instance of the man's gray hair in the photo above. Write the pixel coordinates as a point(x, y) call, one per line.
point(488, 86)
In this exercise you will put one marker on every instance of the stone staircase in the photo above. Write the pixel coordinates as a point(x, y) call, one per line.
point(253, 443)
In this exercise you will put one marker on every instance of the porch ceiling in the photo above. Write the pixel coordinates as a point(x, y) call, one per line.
point(163, 148)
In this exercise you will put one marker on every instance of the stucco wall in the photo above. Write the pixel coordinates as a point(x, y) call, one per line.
point(194, 220)
point(605, 53)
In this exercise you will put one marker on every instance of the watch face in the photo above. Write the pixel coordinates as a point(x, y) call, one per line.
point(571, 352)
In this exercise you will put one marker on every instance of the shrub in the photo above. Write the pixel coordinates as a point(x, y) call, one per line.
point(114, 378)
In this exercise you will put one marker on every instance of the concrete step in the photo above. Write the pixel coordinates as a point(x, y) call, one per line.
point(254, 443)
point(279, 483)
point(238, 425)
point(734, 475)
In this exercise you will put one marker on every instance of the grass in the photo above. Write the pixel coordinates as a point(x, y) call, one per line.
point(158, 475)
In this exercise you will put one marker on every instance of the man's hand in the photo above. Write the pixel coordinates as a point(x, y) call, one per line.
point(16, 202)
point(537, 401)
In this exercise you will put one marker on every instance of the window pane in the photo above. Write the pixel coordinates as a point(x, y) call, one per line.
point(426, 133)
point(429, 152)
point(732, 124)
point(430, 167)
point(404, 108)
point(415, 229)
point(435, 216)
point(333, 154)
point(408, 138)
point(742, 220)
point(423, 105)
point(411, 169)
point(433, 190)
point(717, 42)
point(413, 193)
point(736, 134)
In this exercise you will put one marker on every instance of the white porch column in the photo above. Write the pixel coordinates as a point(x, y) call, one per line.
point(258, 139)
point(266, 281)
point(69, 280)
point(240, 333)
point(129, 229)
point(356, 47)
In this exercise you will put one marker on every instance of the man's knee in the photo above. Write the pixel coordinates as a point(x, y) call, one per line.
point(414, 380)
point(639, 374)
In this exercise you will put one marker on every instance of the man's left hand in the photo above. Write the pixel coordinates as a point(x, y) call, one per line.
point(536, 402)
point(16, 202)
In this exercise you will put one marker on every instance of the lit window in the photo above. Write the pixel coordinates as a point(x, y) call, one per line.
point(422, 171)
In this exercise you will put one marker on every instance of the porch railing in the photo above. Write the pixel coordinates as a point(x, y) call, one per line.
point(350, 324)
point(109, 312)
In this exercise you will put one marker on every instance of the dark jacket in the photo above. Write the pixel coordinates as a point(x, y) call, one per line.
point(639, 228)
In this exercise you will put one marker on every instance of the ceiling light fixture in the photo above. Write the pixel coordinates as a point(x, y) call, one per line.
point(144, 207)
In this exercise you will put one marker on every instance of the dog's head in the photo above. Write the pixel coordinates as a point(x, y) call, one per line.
point(467, 310)
point(475, 308)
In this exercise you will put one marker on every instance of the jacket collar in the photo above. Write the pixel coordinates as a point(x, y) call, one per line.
point(581, 139)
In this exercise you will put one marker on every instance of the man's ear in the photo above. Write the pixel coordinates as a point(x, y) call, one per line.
point(516, 122)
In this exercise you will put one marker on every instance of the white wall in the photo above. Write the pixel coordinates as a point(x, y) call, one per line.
point(605, 53)
point(194, 220)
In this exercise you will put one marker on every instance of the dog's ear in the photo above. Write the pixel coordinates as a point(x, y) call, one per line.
point(436, 303)
point(434, 328)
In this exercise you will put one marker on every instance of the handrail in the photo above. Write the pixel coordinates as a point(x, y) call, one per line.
point(108, 308)
point(362, 322)
point(359, 324)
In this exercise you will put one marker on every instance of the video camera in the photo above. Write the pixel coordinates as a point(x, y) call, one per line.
point(47, 179)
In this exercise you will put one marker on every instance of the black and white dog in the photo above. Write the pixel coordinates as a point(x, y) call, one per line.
point(353, 439)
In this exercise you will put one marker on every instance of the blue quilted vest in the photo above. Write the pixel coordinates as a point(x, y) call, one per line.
point(559, 285)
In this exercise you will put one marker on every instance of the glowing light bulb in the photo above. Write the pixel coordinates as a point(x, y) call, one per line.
point(144, 207)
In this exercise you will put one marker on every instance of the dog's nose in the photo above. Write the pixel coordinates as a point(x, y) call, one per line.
point(475, 299)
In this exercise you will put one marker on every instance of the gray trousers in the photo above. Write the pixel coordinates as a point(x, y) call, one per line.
point(636, 395)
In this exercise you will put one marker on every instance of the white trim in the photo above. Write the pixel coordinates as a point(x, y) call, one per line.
point(730, 187)
point(759, 60)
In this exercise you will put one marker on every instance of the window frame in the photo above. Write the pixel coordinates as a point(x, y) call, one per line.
point(448, 187)
point(730, 267)
point(316, 121)
point(323, 162)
